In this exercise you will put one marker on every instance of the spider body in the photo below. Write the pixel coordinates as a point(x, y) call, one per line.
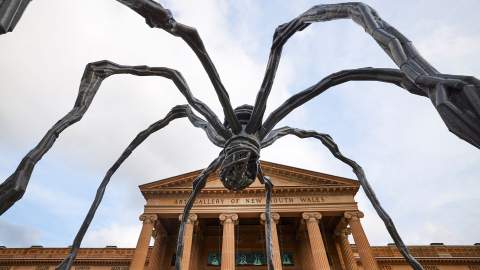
point(244, 133)
point(240, 166)
point(242, 153)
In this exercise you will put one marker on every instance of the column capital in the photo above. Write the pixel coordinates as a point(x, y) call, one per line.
point(353, 215)
point(275, 217)
point(311, 216)
point(148, 218)
point(192, 218)
point(228, 218)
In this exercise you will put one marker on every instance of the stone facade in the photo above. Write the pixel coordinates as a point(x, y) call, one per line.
point(313, 215)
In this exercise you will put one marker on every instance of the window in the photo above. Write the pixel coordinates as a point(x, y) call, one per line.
point(253, 258)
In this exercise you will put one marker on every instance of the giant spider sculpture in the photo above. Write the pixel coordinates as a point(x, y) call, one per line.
point(243, 134)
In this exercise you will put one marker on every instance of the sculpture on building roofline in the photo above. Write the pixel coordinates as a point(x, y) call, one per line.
point(244, 133)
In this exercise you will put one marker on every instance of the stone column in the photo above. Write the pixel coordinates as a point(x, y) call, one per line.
point(364, 250)
point(346, 249)
point(187, 241)
point(277, 257)
point(340, 255)
point(318, 250)
point(140, 254)
point(228, 240)
point(158, 250)
point(196, 248)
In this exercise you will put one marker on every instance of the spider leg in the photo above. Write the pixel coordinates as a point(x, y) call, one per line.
point(13, 188)
point(326, 140)
point(396, 45)
point(456, 98)
point(386, 75)
point(159, 17)
point(459, 109)
point(464, 125)
point(176, 112)
point(281, 36)
point(268, 216)
point(198, 185)
point(10, 14)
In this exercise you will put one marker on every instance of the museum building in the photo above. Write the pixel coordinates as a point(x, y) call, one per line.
point(313, 215)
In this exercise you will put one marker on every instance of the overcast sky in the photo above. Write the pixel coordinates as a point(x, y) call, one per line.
point(426, 177)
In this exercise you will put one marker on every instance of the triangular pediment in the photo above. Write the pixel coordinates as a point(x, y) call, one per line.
point(282, 176)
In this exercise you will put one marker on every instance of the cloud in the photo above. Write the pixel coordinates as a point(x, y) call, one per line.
point(17, 235)
point(114, 234)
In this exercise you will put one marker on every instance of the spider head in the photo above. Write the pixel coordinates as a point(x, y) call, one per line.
point(240, 166)
point(242, 151)
point(243, 114)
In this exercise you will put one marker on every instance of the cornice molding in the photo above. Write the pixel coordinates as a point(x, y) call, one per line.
point(428, 260)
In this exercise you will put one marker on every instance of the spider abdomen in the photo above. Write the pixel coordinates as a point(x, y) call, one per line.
point(240, 166)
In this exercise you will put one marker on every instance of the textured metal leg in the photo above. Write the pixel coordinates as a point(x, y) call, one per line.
point(10, 13)
point(386, 75)
point(268, 217)
point(13, 188)
point(332, 146)
point(198, 185)
point(459, 105)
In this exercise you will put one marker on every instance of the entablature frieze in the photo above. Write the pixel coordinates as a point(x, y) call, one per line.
point(254, 203)
point(240, 199)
